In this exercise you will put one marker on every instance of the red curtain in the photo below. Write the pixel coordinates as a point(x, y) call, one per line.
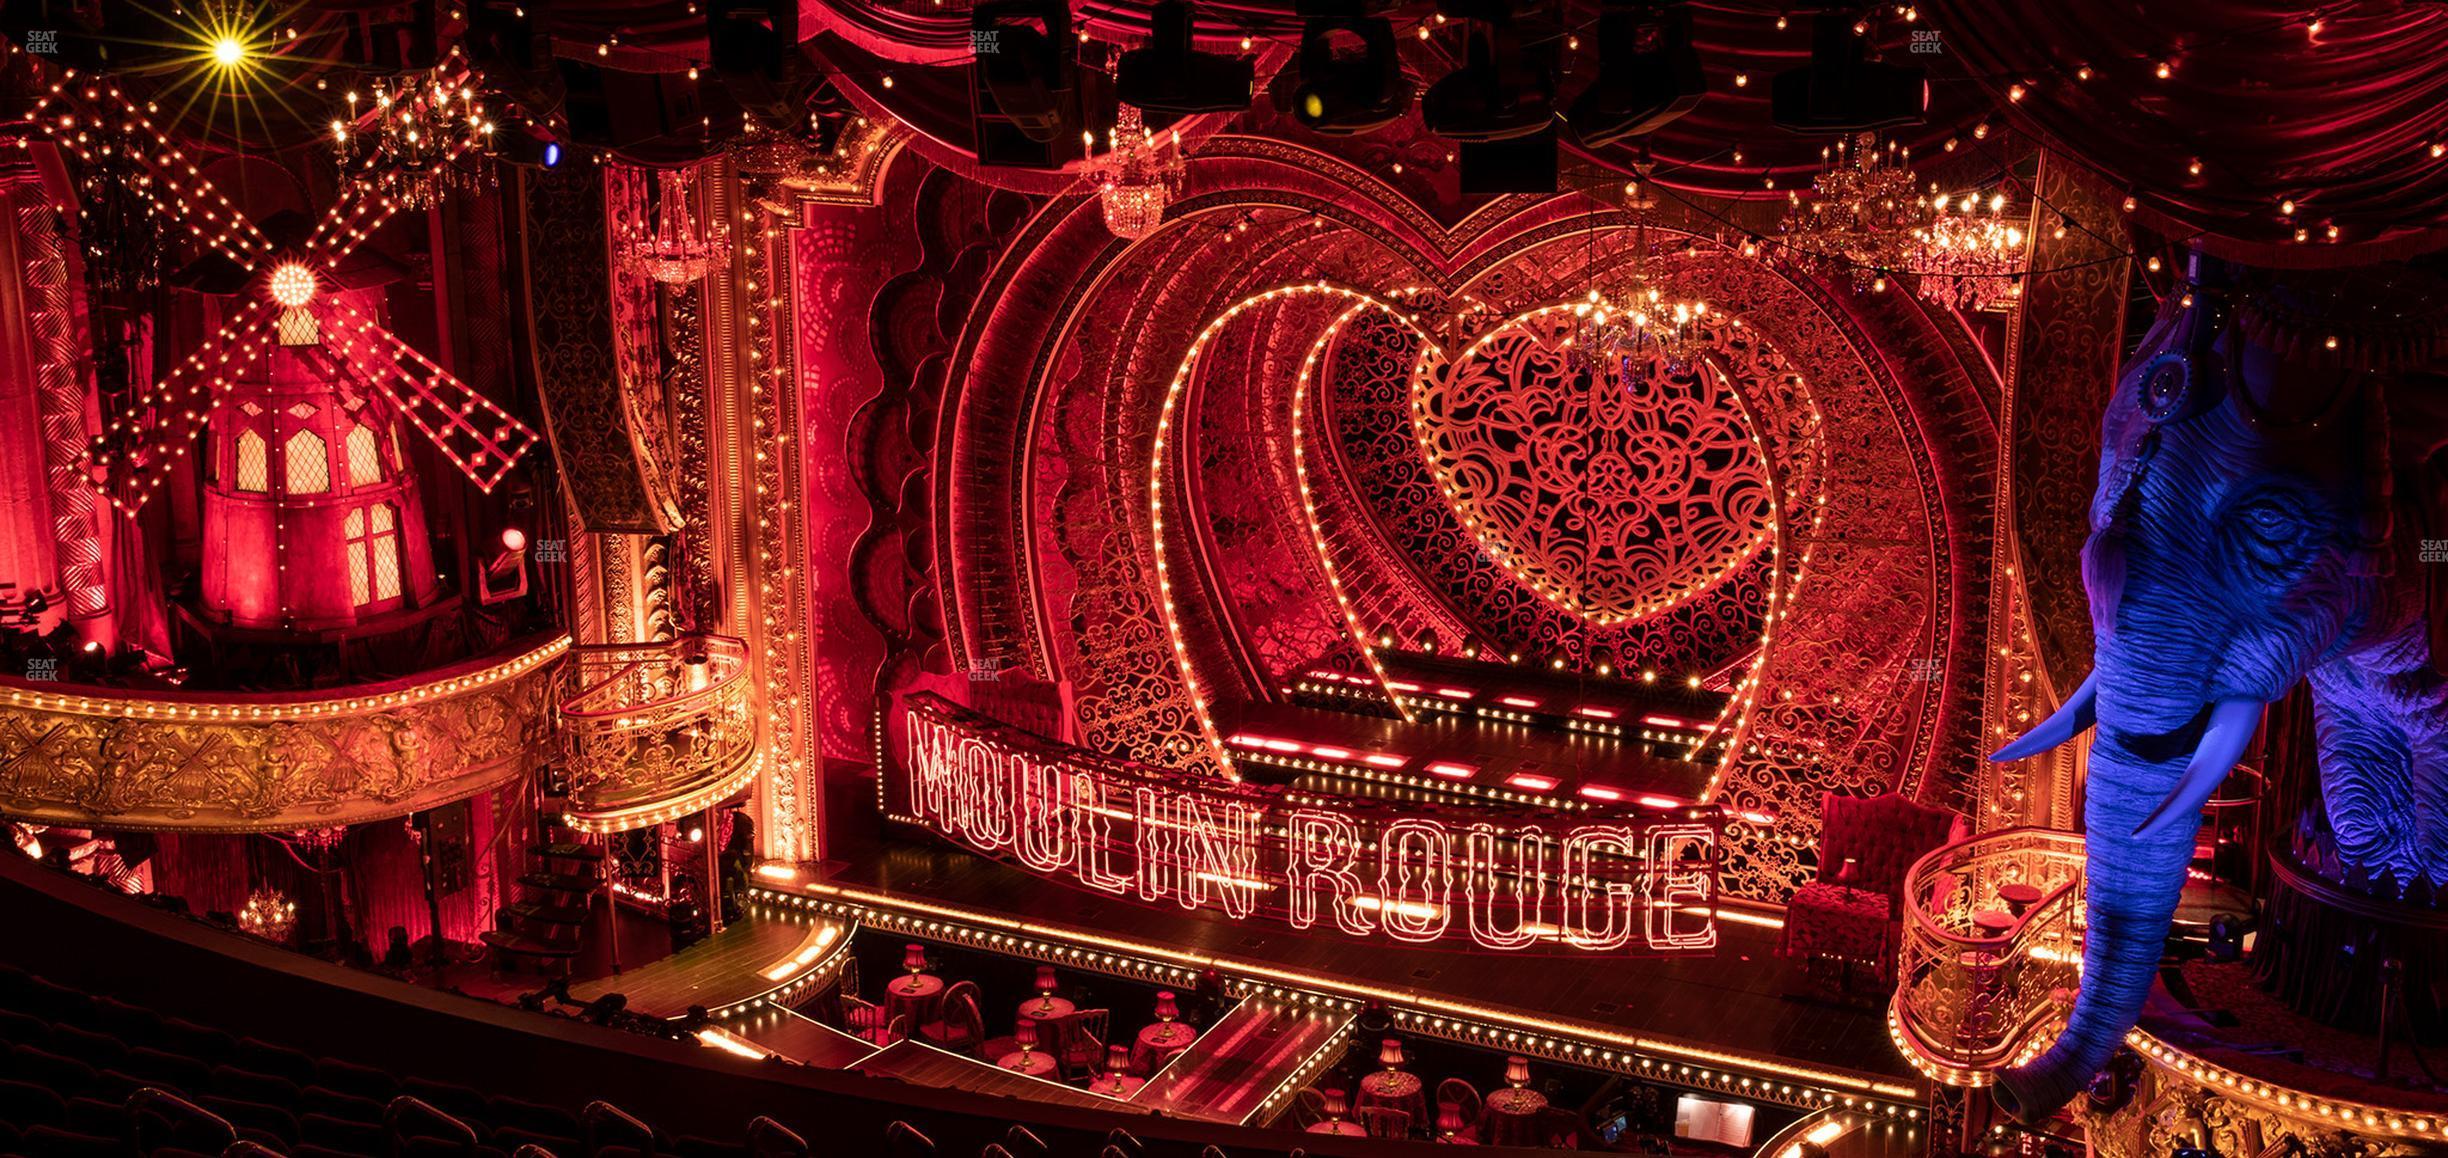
point(2263, 104)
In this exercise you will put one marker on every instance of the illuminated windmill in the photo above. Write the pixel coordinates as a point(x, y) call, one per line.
point(287, 300)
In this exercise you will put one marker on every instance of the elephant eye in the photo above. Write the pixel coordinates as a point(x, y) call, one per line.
point(2273, 532)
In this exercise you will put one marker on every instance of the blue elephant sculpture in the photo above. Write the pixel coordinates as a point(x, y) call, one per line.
point(2252, 527)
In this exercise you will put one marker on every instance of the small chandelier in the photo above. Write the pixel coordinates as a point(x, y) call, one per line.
point(671, 247)
point(1613, 326)
point(1138, 175)
point(1861, 214)
point(1616, 320)
point(1970, 255)
point(403, 138)
point(269, 914)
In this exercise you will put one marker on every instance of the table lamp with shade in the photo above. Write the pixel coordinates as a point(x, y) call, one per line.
point(1336, 1103)
point(1517, 1071)
point(1045, 989)
point(1449, 1120)
point(1117, 1060)
point(1167, 1008)
point(1024, 1035)
point(1390, 1055)
point(913, 959)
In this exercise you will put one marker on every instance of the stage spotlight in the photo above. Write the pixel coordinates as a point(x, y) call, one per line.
point(1844, 89)
point(1648, 74)
point(1498, 94)
point(229, 51)
point(526, 150)
point(1169, 76)
point(1344, 92)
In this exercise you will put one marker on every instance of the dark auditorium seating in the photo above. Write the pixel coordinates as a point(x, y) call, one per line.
point(86, 1076)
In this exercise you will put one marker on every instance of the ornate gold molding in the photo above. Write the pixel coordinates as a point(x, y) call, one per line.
point(193, 762)
point(2185, 1101)
point(656, 731)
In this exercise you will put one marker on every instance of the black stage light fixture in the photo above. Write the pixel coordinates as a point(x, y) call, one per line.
point(1024, 97)
point(1844, 89)
point(1344, 93)
point(1499, 93)
point(1648, 74)
point(526, 149)
point(1525, 164)
point(1169, 76)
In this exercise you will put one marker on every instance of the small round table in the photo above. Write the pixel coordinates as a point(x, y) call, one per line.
point(2019, 897)
point(1339, 1126)
point(1036, 1063)
point(918, 996)
point(1397, 1090)
point(1510, 1117)
point(1992, 923)
point(1159, 1042)
point(1052, 1016)
point(1116, 1085)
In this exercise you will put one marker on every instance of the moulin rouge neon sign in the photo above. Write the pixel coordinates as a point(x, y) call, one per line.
point(1624, 881)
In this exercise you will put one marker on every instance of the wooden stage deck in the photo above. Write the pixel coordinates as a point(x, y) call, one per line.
point(1246, 1055)
point(1733, 1001)
point(765, 951)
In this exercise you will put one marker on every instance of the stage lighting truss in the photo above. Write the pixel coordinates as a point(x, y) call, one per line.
point(1138, 175)
point(1970, 254)
point(1861, 215)
point(417, 136)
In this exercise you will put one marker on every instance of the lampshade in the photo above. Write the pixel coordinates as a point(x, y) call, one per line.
point(1335, 1102)
point(913, 957)
point(1389, 1053)
point(1025, 1034)
point(1167, 1009)
point(1517, 1071)
point(1117, 1058)
point(1449, 1118)
point(1045, 979)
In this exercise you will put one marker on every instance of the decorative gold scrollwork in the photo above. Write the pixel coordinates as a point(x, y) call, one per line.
point(195, 762)
point(655, 731)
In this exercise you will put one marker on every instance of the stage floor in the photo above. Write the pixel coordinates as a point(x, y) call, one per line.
point(1735, 1000)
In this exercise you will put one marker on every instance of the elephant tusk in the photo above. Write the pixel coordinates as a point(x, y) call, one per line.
point(2232, 724)
point(2073, 718)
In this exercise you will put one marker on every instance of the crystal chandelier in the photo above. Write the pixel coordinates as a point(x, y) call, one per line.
point(1138, 175)
point(1970, 255)
point(1616, 319)
point(670, 246)
point(1615, 325)
point(404, 137)
point(1861, 214)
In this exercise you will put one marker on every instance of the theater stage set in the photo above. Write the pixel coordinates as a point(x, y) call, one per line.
point(1038, 579)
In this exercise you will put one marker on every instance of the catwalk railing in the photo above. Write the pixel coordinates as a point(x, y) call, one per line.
point(1992, 953)
point(655, 731)
point(126, 758)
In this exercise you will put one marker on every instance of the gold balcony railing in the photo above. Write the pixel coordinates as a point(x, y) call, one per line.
point(655, 731)
point(97, 757)
point(1992, 953)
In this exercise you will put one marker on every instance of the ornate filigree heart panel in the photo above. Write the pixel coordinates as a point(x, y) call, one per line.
point(1614, 487)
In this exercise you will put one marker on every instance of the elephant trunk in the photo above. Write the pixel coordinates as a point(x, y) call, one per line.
point(2141, 811)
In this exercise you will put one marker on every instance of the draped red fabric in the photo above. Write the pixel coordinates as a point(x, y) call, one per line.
point(1725, 147)
point(2338, 118)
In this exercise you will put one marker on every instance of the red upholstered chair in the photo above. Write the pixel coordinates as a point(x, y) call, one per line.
point(961, 1028)
point(1853, 912)
point(1384, 1122)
